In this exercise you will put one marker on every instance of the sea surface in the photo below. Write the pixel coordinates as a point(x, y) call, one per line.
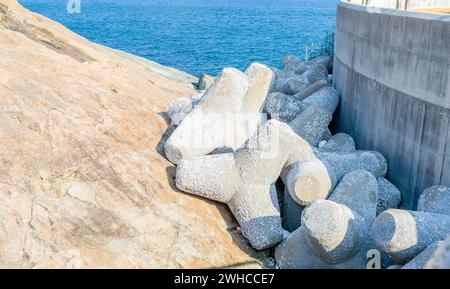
point(199, 36)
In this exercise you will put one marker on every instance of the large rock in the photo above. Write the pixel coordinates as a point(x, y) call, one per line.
point(435, 200)
point(404, 234)
point(227, 116)
point(83, 183)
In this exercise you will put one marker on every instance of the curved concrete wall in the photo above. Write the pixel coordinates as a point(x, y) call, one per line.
point(392, 69)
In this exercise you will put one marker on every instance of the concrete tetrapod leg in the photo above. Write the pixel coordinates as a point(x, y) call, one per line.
point(243, 179)
point(332, 230)
point(315, 180)
point(404, 234)
point(340, 142)
point(311, 124)
point(293, 65)
point(283, 107)
point(226, 116)
point(435, 200)
point(421, 260)
point(335, 227)
point(389, 197)
point(293, 210)
point(313, 88)
point(441, 257)
point(326, 98)
point(295, 253)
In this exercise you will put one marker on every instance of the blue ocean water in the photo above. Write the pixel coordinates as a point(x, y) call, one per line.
point(199, 36)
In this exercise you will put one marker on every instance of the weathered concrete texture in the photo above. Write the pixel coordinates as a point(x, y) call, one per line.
point(313, 88)
point(435, 200)
point(293, 65)
point(312, 124)
point(441, 257)
point(283, 107)
point(227, 115)
point(421, 260)
point(295, 252)
point(389, 197)
point(326, 98)
point(392, 70)
point(358, 191)
point(243, 179)
point(340, 142)
point(181, 107)
point(404, 234)
point(292, 212)
point(315, 179)
point(333, 230)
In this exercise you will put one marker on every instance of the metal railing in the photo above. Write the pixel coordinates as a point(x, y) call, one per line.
point(399, 4)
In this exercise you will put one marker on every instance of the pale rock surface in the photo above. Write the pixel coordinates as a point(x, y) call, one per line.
point(83, 183)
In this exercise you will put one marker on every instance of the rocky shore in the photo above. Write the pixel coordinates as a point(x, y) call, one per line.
point(259, 142)
point(108, 160)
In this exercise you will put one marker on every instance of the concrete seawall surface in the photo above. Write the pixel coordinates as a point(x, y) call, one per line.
point(392, 69)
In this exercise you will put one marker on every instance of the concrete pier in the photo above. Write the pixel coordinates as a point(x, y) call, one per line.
point(392, 70)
